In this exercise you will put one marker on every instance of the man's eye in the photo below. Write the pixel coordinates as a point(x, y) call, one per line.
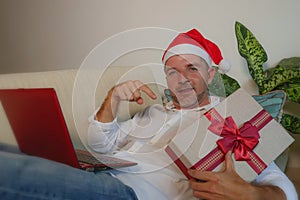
point(171, 72)
point(193, 69)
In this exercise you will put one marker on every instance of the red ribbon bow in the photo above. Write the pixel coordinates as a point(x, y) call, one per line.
point(240, 141)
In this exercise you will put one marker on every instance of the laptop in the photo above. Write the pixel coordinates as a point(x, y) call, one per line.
point(37, 121)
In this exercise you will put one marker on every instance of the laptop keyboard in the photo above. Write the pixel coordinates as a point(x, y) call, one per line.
point(82, 157)
point(102, 159)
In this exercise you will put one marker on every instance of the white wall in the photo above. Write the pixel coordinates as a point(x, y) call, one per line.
point(39, 35)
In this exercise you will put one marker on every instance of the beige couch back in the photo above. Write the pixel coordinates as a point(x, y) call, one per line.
point(63, 82)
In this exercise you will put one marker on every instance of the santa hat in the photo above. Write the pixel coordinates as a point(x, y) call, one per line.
point(192, 42)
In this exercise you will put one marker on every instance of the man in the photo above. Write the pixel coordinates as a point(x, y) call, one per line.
point(188, 61)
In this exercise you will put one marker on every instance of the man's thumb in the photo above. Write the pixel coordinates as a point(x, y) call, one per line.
point(229, 165)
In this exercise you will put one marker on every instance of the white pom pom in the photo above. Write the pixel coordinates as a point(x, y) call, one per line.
point(224, 66)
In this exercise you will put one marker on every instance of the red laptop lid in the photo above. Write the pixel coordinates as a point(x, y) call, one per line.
point(38, 124)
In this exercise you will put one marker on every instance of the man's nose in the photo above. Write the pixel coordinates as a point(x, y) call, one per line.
point(182, 78)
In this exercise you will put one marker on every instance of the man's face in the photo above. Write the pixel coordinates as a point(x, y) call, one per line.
point(187, 78)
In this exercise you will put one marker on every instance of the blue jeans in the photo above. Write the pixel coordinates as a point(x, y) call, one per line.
point(29, 177)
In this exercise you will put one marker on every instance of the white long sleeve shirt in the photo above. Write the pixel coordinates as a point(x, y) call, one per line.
point(143, 138)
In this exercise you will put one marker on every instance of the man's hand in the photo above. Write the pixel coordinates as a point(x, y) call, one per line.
point(131, 91)
point(128, 91)
point(227, 184)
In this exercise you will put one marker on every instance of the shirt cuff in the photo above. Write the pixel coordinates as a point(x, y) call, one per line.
point(106, 125)
point(272, 175)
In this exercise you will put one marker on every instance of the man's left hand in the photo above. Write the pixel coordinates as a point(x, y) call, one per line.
point(226, 184)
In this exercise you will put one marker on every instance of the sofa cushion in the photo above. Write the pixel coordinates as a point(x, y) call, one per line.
point(272, 102)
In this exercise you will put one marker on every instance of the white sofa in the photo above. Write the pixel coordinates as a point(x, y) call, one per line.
point(63, 81)
point(81, 92)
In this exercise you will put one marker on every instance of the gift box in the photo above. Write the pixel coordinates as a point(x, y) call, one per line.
point(238, 124)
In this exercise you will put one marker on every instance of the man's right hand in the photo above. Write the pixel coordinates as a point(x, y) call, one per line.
point(131, 91)
point(126, 91)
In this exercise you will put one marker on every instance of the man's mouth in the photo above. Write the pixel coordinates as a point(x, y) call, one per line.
point(185, 90)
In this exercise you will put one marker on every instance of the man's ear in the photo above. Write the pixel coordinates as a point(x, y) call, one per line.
point(211, 74)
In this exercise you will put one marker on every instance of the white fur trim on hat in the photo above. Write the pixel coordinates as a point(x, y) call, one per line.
point(224, 66)
point(187, 49)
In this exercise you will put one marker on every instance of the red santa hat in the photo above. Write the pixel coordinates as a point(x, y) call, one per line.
point(192, 42)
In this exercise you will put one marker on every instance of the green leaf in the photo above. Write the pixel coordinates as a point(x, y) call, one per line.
point(291, 123)
point(223, 85)
point(252, 51)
